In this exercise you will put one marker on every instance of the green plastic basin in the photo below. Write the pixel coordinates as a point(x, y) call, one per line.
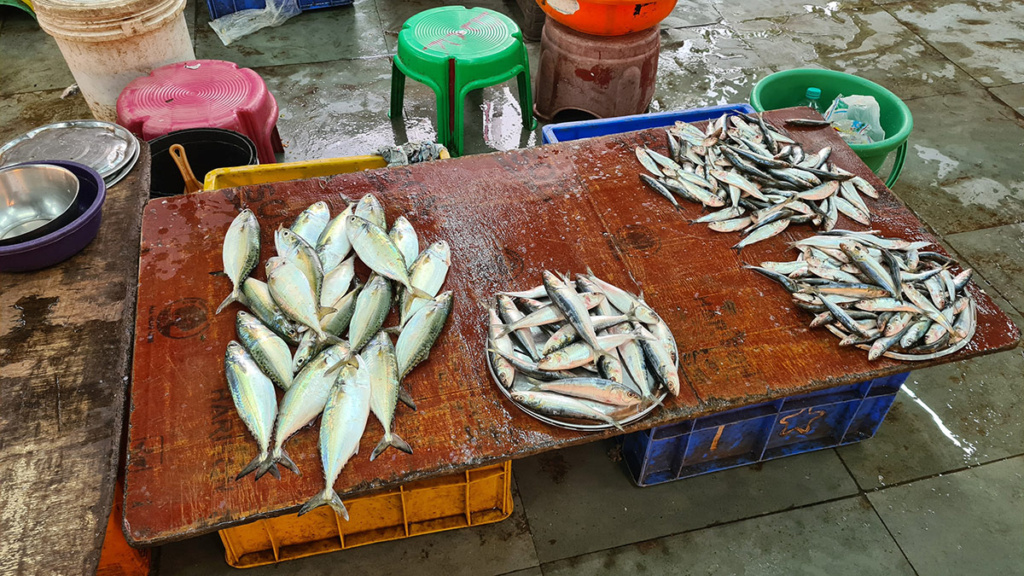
point(787, 88)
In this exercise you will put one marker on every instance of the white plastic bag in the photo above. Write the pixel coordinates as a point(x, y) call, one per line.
point(244, 22)
point(857, 118)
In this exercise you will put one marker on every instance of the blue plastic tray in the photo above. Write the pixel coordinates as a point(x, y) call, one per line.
point(591, 128)
point(798, 424)
point(220, 8)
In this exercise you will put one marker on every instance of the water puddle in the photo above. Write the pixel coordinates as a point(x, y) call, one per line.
point(961, 443)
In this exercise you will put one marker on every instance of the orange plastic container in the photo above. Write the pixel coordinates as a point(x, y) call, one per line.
point(117, 558)
point(471, 498)
point(608, 17)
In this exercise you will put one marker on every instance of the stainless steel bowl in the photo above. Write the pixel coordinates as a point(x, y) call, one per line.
point(32, 196)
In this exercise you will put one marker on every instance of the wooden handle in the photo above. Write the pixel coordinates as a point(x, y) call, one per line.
point(191, 184)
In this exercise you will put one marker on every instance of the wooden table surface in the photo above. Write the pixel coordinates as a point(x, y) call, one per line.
point(65, 354)
point(507, 217)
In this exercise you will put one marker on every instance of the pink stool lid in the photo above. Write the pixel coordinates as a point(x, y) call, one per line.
point(200, 94)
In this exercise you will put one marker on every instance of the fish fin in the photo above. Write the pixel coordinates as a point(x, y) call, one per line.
point(386, 442)
point(253, 465)
point(640, 296)
point(416, 292)
point(235, 296)
point(506, 329)
point(266, 465)
point(325, 310)
point(328, 337)
point(392, 330)
point(328, 497)
point(639, 335)
point(406, 399)
point(287, 462)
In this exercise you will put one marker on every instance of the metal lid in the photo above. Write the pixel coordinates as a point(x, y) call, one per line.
point(102, 146)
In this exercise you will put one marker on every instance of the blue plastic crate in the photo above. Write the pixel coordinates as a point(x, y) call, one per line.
point(794, 425)
point(590, 128)
point(220, 8)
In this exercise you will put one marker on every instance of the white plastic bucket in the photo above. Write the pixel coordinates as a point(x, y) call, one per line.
point(109, 43)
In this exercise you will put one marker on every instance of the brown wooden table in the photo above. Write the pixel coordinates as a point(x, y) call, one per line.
point(507, 216)
point(65, 350)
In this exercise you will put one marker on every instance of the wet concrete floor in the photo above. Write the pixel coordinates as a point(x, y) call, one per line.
point(939, 490)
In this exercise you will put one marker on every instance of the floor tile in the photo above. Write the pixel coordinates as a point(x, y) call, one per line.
point(837, 538)
point(963, 169)
point(869, 43)
point(971, 522)
point(1012, 95)
point(23, 112)
point(983, 37)
point(705, 66)
point(31, 59)
point(998, 253)
point(535, 571)
point(692, 13)
point(344, 32)
point(581, 500)
point(490, 549)
point(739, 11)
point(394, 13)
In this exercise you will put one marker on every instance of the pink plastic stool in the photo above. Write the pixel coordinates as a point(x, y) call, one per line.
point(202, 94)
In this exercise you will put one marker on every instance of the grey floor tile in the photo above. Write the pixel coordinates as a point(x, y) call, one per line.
point(31, 59)
point(693, 13)
point(869, 43)
point(740, 11)
point(963, 167)
point(704, 66)
point(844, 537)
point(998, 253)
point(22, 112)
point(344, 32)
point(1012, 95)
point(394, 13)
point(983, 38)
point(490, 549)
point(535, 571)
point(580, 500)
point(971, 522)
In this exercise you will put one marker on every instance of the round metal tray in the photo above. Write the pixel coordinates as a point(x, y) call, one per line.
point(572, 424)
point(103, 146)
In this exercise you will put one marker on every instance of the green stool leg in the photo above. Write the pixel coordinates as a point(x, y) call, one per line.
point(397, 90)
point(526, 93)
point(453, 109)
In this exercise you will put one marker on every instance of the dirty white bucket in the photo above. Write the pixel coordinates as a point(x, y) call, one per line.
point(109, 43)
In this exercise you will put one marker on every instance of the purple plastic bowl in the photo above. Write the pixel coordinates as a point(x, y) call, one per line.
point(62, 244)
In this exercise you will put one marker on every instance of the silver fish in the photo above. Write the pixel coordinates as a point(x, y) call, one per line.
point(293, 248)
point(338, 321)
point(337, 282)
point(418, 336)
point(624, 301)
point(261, 303)
point(311, 222)
point(564, 295)
point(762, 233)
point(369, 208)
point(567, 334)
point(558, 405)
point(502, 368)
point(333, 246)
point(581, 353)
point(549, 314)
point(344, 420)
point(383, 368)
point(660, 359)
point(371, 308)
point(376, 250)
point(270, 352)
point(240, 254)
point(427, 273)
point(404, 237)
point(527, 336)
point(292, 292)
point(596, 389)
point(254, 398)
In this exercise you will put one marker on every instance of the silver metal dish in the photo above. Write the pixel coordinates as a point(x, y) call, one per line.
point(102, 146)
point(114, 179)
point(32, 196)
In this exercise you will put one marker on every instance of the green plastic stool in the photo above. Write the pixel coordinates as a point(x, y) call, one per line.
point(453, 50)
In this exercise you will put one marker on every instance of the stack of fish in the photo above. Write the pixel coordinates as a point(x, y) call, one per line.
point(583, 351)
point(888, 296)
point(311, 298)
point(758, 179)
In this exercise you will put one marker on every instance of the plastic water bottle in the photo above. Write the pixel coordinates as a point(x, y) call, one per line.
point(811, 99)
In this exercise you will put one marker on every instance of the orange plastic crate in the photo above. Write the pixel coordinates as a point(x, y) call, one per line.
point(471, 498)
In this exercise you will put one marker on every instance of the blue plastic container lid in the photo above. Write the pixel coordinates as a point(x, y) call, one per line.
point(813, 93)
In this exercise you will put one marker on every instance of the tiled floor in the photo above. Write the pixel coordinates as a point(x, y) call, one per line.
point(939, 490)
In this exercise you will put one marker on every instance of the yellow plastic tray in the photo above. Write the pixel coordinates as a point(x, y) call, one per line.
point(471, 498)
point(266, 173)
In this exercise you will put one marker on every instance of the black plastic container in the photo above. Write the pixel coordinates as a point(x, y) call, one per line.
point(206, 148)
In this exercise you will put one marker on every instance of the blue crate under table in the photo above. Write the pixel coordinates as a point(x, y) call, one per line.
point(590, 128)
point(220, 8)
point(794, 425)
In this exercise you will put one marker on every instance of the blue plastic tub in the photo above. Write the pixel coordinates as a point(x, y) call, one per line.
point(794, 425)
point(220, 8)
point(591, 128)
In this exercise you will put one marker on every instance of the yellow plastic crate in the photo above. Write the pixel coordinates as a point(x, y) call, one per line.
point(471, 498)
point(266, 173)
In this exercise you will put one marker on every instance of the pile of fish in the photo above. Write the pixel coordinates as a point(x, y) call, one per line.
point(583, 350)
point(756, 178)
point(311, 298)
point(888, 296)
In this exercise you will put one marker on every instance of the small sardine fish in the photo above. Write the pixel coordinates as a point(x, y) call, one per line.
point(311, 222)
point(563, 295)
point(659, 356)
point(333, 246)
point(240, 253)
point(292, 292)
point(549, 314)
point(418, 336)
point(502, 368)
point(382, 366)
point(558, 405)
point(270, 352)
point(427, 273)
point(369, 208)
point(633, 361)
point(762, 233)
point(581, 353)
point(254, 398)
point(624, 301)
point(337, 282)
point(528, 367)
point(596, 389)
point(567, 334)
point(371, 309)
point(376, 250)
point(527, 337)
point(344, 420)
point(304, 401)
point(404, 236)
point(261, 303)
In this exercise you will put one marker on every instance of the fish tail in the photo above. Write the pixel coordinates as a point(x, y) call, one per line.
point(390, 440)
point(287, 462)
point(235, 296)
point(329, 498)
point(414, 291)
point(506, 329)
point(268, 463)
point(253, 465)
point(406, 399)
